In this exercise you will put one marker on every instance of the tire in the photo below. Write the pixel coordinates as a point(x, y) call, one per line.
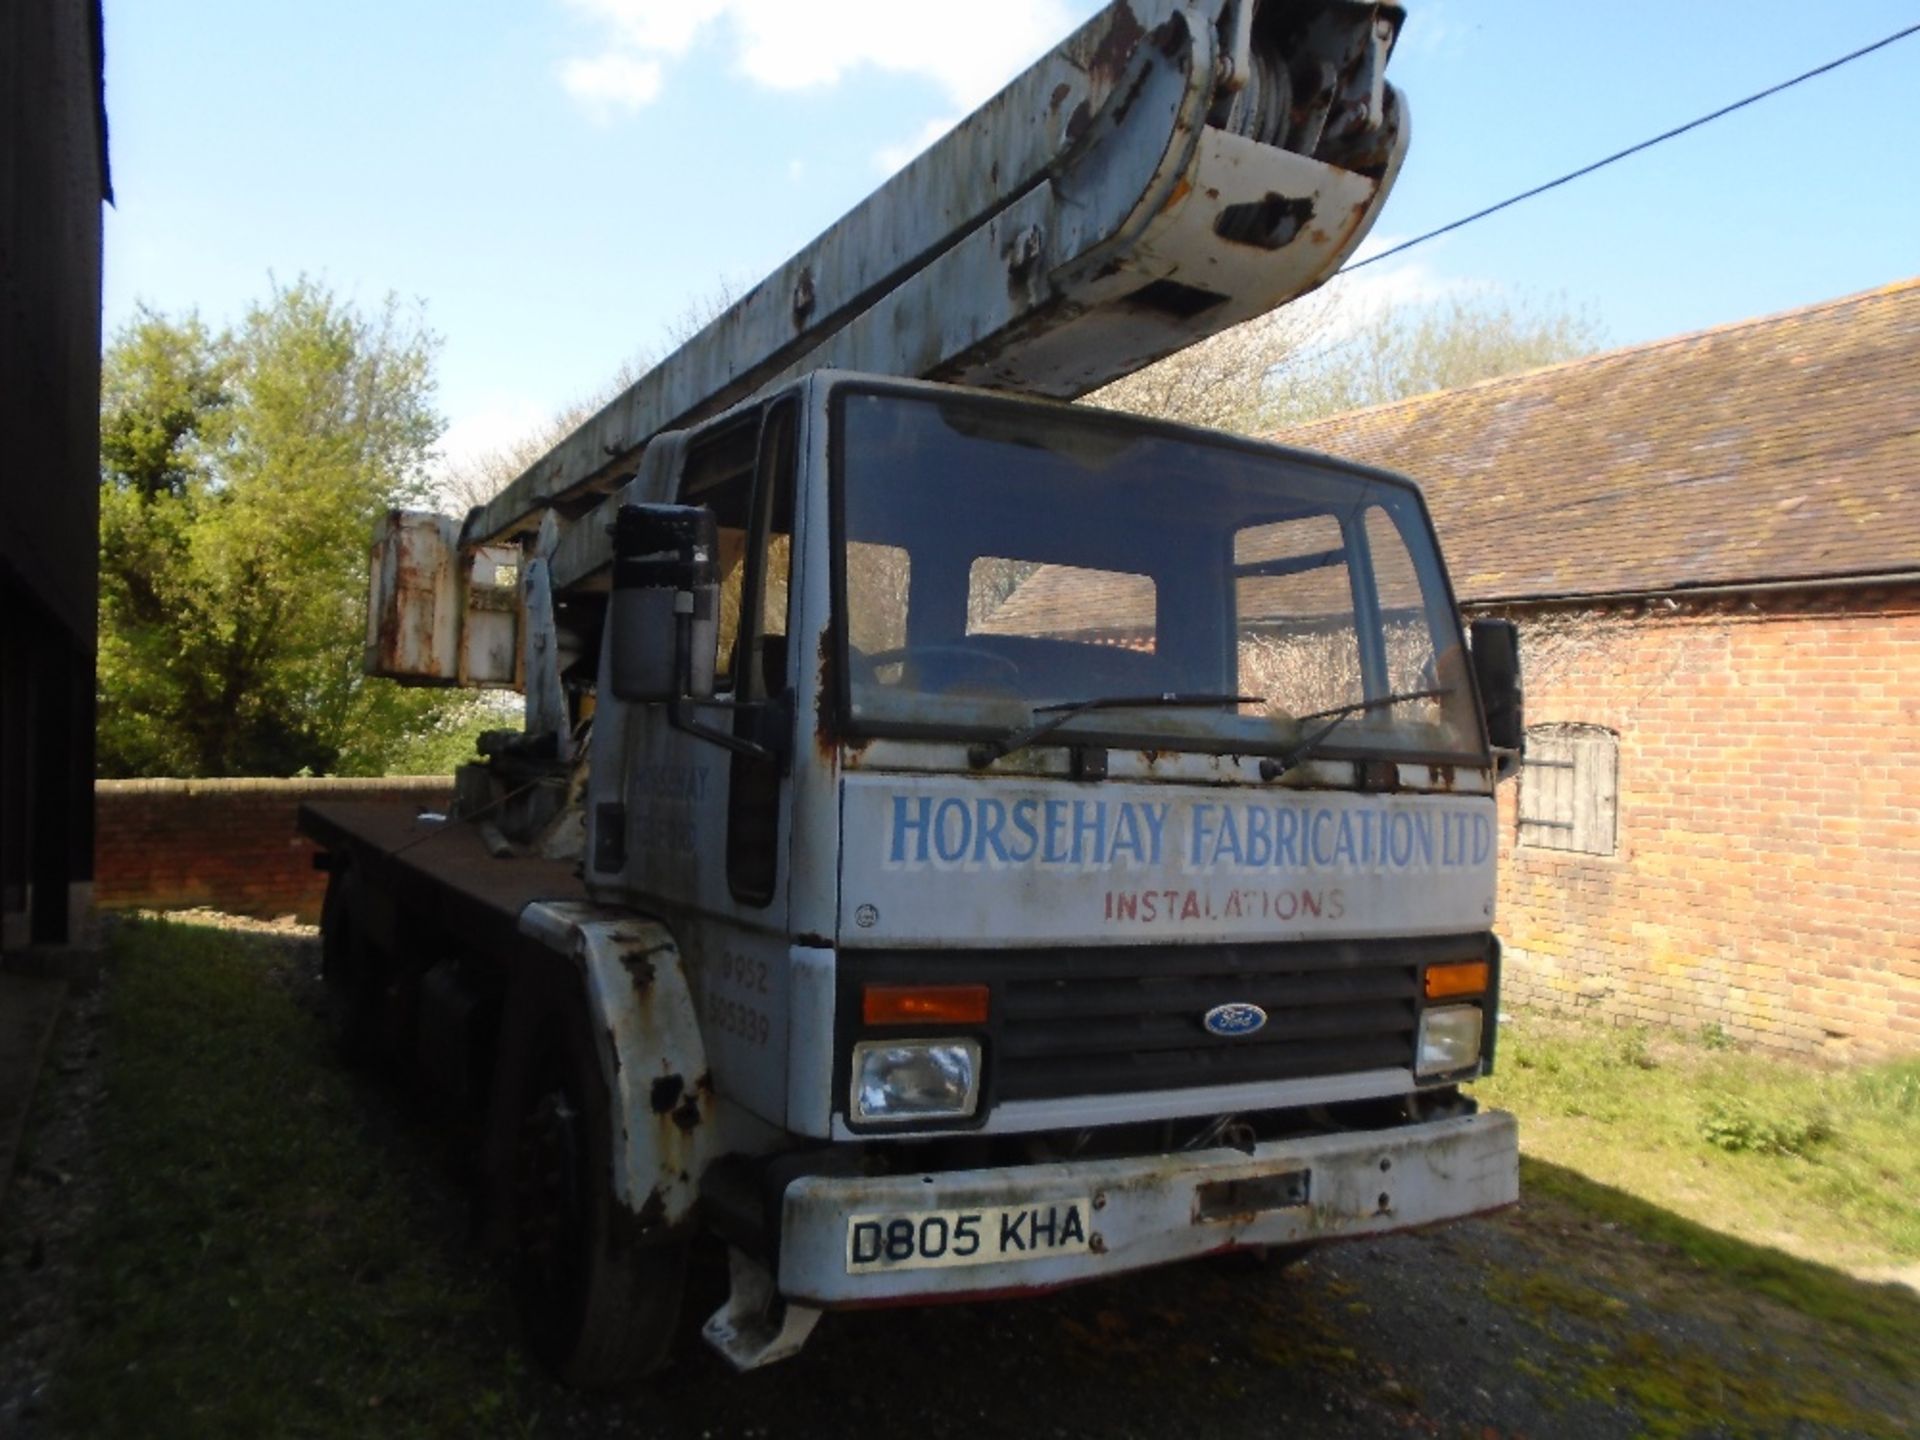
point(348, 970)
point(1267, 1259)
point(599, 1310)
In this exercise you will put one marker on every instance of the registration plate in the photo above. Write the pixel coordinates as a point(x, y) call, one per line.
point(932, 1239)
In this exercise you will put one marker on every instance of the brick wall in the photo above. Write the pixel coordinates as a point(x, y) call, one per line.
point(229, 844)
point(1769, 822)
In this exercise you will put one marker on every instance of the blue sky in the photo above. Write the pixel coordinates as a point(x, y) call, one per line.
point(557, 181)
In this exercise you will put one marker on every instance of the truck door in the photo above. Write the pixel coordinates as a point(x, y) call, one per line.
point(761, 674)
point(719, 871)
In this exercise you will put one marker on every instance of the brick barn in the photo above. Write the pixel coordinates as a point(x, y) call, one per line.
point(1712, 546)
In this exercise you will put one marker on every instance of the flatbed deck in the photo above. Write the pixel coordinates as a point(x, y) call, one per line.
point(439, 872)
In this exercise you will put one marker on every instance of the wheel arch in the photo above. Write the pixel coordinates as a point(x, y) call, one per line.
point(642, 1013)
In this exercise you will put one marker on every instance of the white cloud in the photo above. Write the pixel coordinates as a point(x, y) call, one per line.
point(787, 45)
point(652, 26)
point(612, 81)
point(1435, 29)
point(889, 158)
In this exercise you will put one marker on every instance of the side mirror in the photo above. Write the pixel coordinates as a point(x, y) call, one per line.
point(1496, 674)
point(663, 621)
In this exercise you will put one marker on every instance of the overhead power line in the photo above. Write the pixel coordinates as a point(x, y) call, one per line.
point(1660, 139)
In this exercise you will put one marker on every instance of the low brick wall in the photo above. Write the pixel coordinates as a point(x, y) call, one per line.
point(228, 844)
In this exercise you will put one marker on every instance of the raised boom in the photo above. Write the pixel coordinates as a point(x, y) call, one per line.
point(1173, 168)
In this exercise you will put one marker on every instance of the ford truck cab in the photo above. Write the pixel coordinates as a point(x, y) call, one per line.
point(1081, 855)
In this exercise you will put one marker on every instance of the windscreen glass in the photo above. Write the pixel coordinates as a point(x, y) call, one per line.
point(999, 557)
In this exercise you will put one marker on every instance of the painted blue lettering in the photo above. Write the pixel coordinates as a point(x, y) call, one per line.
point(1023, 812)
point(1155, 815)
point(1343, 842)
point(1321, 823)
point(1259, 837)
point(953, 830)
point(1423, 837)
point(1090, 823)
point(987, 838)
point(1482, 839)
point(1126, 835)
point(1202, 833)
point(1226, 845)
point(1400, 840)
point(1055, 852)
point(1286, 838)
point(917, 827)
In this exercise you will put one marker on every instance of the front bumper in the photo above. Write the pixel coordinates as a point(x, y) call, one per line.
point(1155, 1209)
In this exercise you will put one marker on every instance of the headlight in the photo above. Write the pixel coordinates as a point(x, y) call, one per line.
point(1449, 1039)
point(896, 1080)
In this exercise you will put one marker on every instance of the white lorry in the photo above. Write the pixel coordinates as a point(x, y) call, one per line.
point(961, 843)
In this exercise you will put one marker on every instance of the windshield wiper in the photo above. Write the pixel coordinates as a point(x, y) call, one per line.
point(1273, 769)
point(984, 754)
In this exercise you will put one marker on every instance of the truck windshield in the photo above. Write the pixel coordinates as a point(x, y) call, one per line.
point(1000, 557)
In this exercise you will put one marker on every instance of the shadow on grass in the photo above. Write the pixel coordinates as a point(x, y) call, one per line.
point(260, 1268)
point(283, 1257)
point(1884, 1318)
point(1697, 1332)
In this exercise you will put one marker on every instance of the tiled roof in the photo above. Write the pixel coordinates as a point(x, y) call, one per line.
point(1786, 448)
point(1065, 600)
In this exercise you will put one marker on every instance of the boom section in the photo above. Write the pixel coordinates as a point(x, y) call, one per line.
point(1173, 168)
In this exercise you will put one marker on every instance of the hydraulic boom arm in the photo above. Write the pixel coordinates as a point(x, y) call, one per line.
point(1173, 168)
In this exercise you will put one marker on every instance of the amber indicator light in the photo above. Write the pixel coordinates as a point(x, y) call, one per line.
point(924, 1005)
point(1469, 978)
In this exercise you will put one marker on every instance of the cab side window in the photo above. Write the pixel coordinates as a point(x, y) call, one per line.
point(719, 473)
point(744, 472)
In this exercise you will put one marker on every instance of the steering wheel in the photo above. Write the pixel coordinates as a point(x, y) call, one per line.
point(966, 663)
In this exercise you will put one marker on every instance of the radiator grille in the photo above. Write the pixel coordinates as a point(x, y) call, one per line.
point(1069, 1022)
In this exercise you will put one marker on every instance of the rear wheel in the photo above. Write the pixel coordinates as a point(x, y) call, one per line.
point(599, 1308)
point(347, 967)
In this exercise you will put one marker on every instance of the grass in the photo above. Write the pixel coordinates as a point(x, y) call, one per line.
point(1824, 1164)
point(262, 1268)
point(1882, 1322)
point(266, 1265)
point(1642, 1304)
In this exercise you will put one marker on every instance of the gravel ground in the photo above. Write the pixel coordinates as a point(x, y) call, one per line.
point(48, 1211)
point(1435, 1335)
point(1543, 1322)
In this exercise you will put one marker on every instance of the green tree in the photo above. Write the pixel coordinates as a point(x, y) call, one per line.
point(241, 474)
point(1333, 353)
point(1410, 350)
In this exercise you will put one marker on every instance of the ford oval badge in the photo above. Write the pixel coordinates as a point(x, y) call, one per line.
point(1236, 1018)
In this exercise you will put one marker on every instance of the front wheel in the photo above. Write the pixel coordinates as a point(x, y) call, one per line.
point(1269, 1258)
point(599, 1310)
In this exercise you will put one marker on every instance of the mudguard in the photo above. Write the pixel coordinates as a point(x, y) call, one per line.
point(646, 1031)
